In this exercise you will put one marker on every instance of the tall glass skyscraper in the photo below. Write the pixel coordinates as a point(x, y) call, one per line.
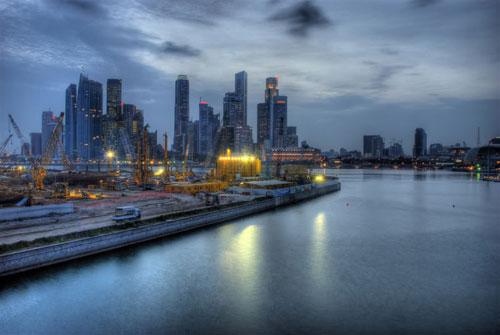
point(89, 117)
point(114, 116)
point(70, 147)
point(181, 115)
point(241, 90)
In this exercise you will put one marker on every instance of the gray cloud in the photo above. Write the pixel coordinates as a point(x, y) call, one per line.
point(82, 6)
point(301, 18)
point(185, 50)
point(424, 3)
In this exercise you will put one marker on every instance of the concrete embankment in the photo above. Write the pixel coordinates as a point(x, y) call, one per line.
point(56, 253)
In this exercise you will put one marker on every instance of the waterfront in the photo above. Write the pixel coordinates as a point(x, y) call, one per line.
point(394, 251)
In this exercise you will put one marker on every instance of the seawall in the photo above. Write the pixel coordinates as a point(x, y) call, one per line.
point(24, 260)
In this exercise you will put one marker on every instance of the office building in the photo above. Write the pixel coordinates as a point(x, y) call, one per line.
point(373, 146)
point(181, 115)
point(36, 144)
point(89, 119)
point(70, 114)
point(420, 146)
point(292, 140)
point(241, 90)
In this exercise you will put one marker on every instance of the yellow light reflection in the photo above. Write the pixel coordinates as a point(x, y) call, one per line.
point(241, 263)
point(318, 251)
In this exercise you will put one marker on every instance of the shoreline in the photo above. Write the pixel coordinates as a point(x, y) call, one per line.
point(33, 258)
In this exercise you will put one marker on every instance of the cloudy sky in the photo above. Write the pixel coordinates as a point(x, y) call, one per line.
point(348, 67)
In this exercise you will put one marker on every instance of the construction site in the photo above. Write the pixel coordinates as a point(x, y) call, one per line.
point(50, 195)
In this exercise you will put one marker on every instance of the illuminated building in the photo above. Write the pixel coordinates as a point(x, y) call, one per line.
point(70, 147)
point(181, 115)
point(309, 155)
point(89, 119)
point(114, 117)
point(231, 167)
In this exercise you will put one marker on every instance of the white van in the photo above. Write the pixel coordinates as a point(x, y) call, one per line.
point(126, 213)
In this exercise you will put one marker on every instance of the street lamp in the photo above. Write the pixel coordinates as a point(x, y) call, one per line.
point(110, 155)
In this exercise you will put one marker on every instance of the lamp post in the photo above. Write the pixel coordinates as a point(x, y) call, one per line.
point(110, 155)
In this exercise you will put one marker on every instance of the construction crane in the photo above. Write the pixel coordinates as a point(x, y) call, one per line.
point(19, 134)
point(38, 171)
point(127, 147)
point(4, 145)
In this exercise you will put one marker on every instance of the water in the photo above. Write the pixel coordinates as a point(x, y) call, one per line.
point(393, 252)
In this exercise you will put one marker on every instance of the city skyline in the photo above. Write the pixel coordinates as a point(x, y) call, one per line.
point(346, 92)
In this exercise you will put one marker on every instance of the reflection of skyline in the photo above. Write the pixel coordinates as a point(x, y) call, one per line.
point(318, 251)
point(241, 264)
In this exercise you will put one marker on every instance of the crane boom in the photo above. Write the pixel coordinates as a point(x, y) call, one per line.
point(38, 172)
point(4, 144)
point(19, 134)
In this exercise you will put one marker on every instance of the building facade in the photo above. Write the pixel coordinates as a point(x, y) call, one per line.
point(181, 115)
point(36, 144)
point(89, 119)
point(420, 146)
point(373, 146)
point(70, 115)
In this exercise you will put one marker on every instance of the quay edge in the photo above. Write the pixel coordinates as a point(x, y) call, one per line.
point(34, 258)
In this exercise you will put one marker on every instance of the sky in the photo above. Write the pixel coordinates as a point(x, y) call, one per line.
point(349, 68)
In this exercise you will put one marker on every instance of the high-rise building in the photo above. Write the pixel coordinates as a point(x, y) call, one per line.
point(89, 119)
point(420, 146)
point(70, 115)
point(114, 98)
point(49, 122)
point(114, 117)
point(181, 117)
point(292, 140)
point(36, 144)
point(232, 110)
point(272, 117)
point(279, 121)
point(241, 90)
point(373, 146)
point(235, 117)
point(206, 118)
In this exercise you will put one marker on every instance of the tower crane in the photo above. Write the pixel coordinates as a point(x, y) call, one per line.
point(18, 132)
point(38, 171)
point(4, 145)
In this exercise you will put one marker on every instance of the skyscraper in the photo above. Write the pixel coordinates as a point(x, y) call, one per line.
point(420, 146)
point(70, 147)
point(241, 90)
point(114, 98)
point(89, 117)
point(292, 140)
point(181, 117)
point(279, 123)
point(206, 118)
point(114, 116)
point(373, 146)
point(232, 110)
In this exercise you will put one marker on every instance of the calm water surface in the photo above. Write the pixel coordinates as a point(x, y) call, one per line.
point(393, 252)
